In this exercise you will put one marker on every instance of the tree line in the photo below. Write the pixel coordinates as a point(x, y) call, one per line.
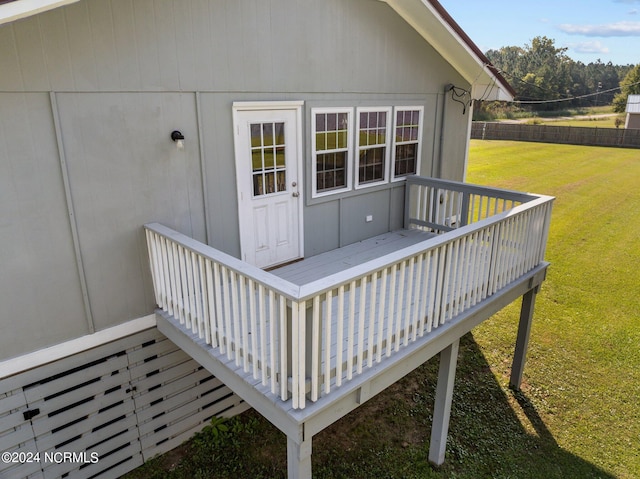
point(545, 78)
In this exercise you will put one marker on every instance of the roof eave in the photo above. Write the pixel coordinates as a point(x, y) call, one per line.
point(438, 28)
point(15, 10)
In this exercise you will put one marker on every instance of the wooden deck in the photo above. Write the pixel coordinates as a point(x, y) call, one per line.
point(306, 343)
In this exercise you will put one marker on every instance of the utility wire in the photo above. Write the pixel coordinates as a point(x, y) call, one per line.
point(559, 100)
point(579, 97)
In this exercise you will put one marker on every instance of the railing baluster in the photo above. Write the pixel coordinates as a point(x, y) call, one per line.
point(327, 341)
point(361, 324)
point(218, 328)
point(417, 299)
point(165, 280)
point(400, 303)
point(438, 317)
point(351, 328)
point(381, 313)
point(424, 301)
point(373, 304)
point(192, 271)
point(153, 263)
point(273, 323)
point(175, 280)
point(198, 286)
point(315, 347)
point(284, 334)
point(302, 354)
point(228, 310)
point(253, 329)
point(240, 316)
point(210, 326)
point(409, 300)
point(339, 334)
point(391, 310)
point(263, 320)
point(295, 354)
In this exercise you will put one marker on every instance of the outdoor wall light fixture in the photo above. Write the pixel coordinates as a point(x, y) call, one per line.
point(178, 138)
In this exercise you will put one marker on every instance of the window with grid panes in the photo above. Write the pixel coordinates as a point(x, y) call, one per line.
point(373, 145)
point(407, 127)
point(331, 134)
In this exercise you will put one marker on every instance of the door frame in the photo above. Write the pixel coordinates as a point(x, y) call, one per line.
point(296, 107)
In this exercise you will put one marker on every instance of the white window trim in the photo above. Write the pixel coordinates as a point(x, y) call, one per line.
point(349, 162)
point(392, 164)
point(387, 155)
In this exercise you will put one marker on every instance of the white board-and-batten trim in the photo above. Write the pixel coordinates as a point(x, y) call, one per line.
point(267, 105)
point(59, 351)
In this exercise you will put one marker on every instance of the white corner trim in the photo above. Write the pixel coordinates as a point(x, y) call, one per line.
point(15, 10)
point(32, 360)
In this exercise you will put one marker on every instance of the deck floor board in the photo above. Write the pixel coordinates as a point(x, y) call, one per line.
point(337, 260)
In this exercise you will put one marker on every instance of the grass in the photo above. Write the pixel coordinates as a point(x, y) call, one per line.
point(578, 415)
point(584, 367)
point(596, 122)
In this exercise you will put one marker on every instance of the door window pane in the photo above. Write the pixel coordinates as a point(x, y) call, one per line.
point(268, 163)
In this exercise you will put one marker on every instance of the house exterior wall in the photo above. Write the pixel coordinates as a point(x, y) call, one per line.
point(89, 94)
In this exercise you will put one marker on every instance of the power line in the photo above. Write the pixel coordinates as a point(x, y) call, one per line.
point(579, 97)
point(559, 100)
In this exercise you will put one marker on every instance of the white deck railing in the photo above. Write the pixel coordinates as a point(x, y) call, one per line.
point(302, 341)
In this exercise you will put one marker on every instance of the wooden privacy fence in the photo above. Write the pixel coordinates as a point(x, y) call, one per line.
point(618, 137)
point(304, 340)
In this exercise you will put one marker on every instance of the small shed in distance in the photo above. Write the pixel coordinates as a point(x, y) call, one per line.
point(633, 112)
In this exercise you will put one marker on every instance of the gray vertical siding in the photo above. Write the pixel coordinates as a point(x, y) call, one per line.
point(198, 45)
point(40, 295)
point(122, 177)
point(125, 73)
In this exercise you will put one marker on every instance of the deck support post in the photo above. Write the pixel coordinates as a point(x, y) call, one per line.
point(299, 456)
point(522, 341)
point(442, 408)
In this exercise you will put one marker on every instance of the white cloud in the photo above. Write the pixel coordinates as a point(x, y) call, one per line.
point(589, 47)
point(633, 12)
point(618, 29)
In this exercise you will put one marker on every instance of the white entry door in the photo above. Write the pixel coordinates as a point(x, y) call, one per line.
point(268, 171)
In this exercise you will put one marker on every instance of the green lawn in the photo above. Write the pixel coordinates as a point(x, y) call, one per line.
point(578, 415)
point(583, 375)
point(595, 122)
point(608, 122)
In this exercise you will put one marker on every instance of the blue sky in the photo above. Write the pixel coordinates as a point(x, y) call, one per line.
point(590, 29)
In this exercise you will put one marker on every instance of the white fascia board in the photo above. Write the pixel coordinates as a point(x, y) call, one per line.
point(425, 20)
point(18, 9)
point(19, 364)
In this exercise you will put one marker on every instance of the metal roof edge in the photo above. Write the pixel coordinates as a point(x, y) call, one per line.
point(430, 19)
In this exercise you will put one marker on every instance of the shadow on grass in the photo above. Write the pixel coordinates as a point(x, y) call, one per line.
point(494, 433)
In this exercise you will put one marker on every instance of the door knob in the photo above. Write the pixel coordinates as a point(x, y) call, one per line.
point(295, 194)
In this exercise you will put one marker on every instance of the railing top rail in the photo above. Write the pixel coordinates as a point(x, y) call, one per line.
point(356, 272)
point(265, 278)
point(473, 189)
